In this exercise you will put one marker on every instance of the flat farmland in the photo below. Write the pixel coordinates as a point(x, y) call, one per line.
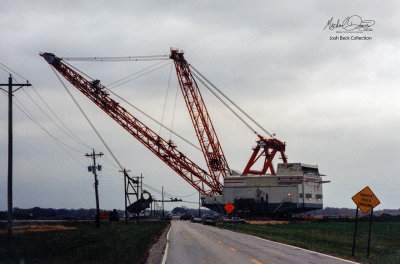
point(333, 238)
point(112, 243)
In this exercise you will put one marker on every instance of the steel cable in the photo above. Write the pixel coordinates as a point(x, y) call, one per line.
point(59, 142)
point(233, 103)
point(133, 74)
point(154, 120)
point(88, 120)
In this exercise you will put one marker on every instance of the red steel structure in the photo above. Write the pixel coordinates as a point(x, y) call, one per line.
point(163, 149)
point(208, 139)
point(266, 148)
point(206, 184)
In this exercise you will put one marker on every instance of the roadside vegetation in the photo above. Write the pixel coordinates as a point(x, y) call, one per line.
point(333, 238)
point(112, 243)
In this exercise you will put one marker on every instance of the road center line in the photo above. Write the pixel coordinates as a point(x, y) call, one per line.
point(234, 249)
point(255, 261)
point(219, 242)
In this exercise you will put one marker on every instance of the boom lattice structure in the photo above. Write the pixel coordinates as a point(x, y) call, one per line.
point(163, 149)
point(213, 154)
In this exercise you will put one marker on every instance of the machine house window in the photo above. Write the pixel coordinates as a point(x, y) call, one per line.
point(318, 196)
point(308, 195)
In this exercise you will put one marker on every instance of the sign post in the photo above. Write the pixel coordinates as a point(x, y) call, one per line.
point(369, 232)
point(366, 201)
point(355, 232)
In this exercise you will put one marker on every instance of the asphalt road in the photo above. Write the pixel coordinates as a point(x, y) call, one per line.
point(197, 243)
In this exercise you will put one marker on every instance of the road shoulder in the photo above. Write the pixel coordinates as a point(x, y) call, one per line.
point(156, 252)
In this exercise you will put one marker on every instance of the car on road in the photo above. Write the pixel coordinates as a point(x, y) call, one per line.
point(186, 217)
point(209, 220)
point(196, 220)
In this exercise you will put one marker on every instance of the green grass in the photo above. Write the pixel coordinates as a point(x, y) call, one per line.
point(333, 238)
point(113, 243)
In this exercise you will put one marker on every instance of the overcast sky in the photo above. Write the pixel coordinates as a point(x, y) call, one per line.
point(334, 102)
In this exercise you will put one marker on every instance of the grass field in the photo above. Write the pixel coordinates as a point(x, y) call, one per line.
point(113, 243)
point(333, 238)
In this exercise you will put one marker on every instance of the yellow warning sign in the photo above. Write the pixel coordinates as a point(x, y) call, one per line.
point(365, 200)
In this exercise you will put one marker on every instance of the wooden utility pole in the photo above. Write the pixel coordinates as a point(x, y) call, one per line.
point(10, 153)
point(137, 196)
point(162, 200)
point(93, 169)
point(199, 205)
point(125, 171)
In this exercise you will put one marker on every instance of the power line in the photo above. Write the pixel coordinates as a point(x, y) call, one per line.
point(5, 70)
point(88, 120)
point(59, 120)
point(166, 97)
point(60, 143)
point(34, 120)
point(12, 71)
point(52, 121)
point(91, 124)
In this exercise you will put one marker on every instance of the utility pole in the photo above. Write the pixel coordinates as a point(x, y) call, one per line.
point(10, 153)
point(162, 200)
point(199, 206)
point(126, 194)
point(93, 168)
point(137, 197)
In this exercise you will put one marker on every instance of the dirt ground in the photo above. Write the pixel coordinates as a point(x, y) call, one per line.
point(36, 228)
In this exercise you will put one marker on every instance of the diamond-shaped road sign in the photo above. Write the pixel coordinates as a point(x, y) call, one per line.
point(229, 207)
point(365, 200)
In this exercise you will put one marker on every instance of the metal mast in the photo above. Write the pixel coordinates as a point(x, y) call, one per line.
point(212, 151)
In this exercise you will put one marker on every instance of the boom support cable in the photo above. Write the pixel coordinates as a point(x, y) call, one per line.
point(125, 58)
point(173, 114)
point(224, 103)
point(133, 74)
point(88, 120)
point(154, 120)
point(136, 77)
point(165, 100)
point(233, 103)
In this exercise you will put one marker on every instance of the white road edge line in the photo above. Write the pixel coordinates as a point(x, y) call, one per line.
point(166, 247)
point(349, 261)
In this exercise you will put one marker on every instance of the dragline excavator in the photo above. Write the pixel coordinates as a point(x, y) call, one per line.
point(293, 187)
